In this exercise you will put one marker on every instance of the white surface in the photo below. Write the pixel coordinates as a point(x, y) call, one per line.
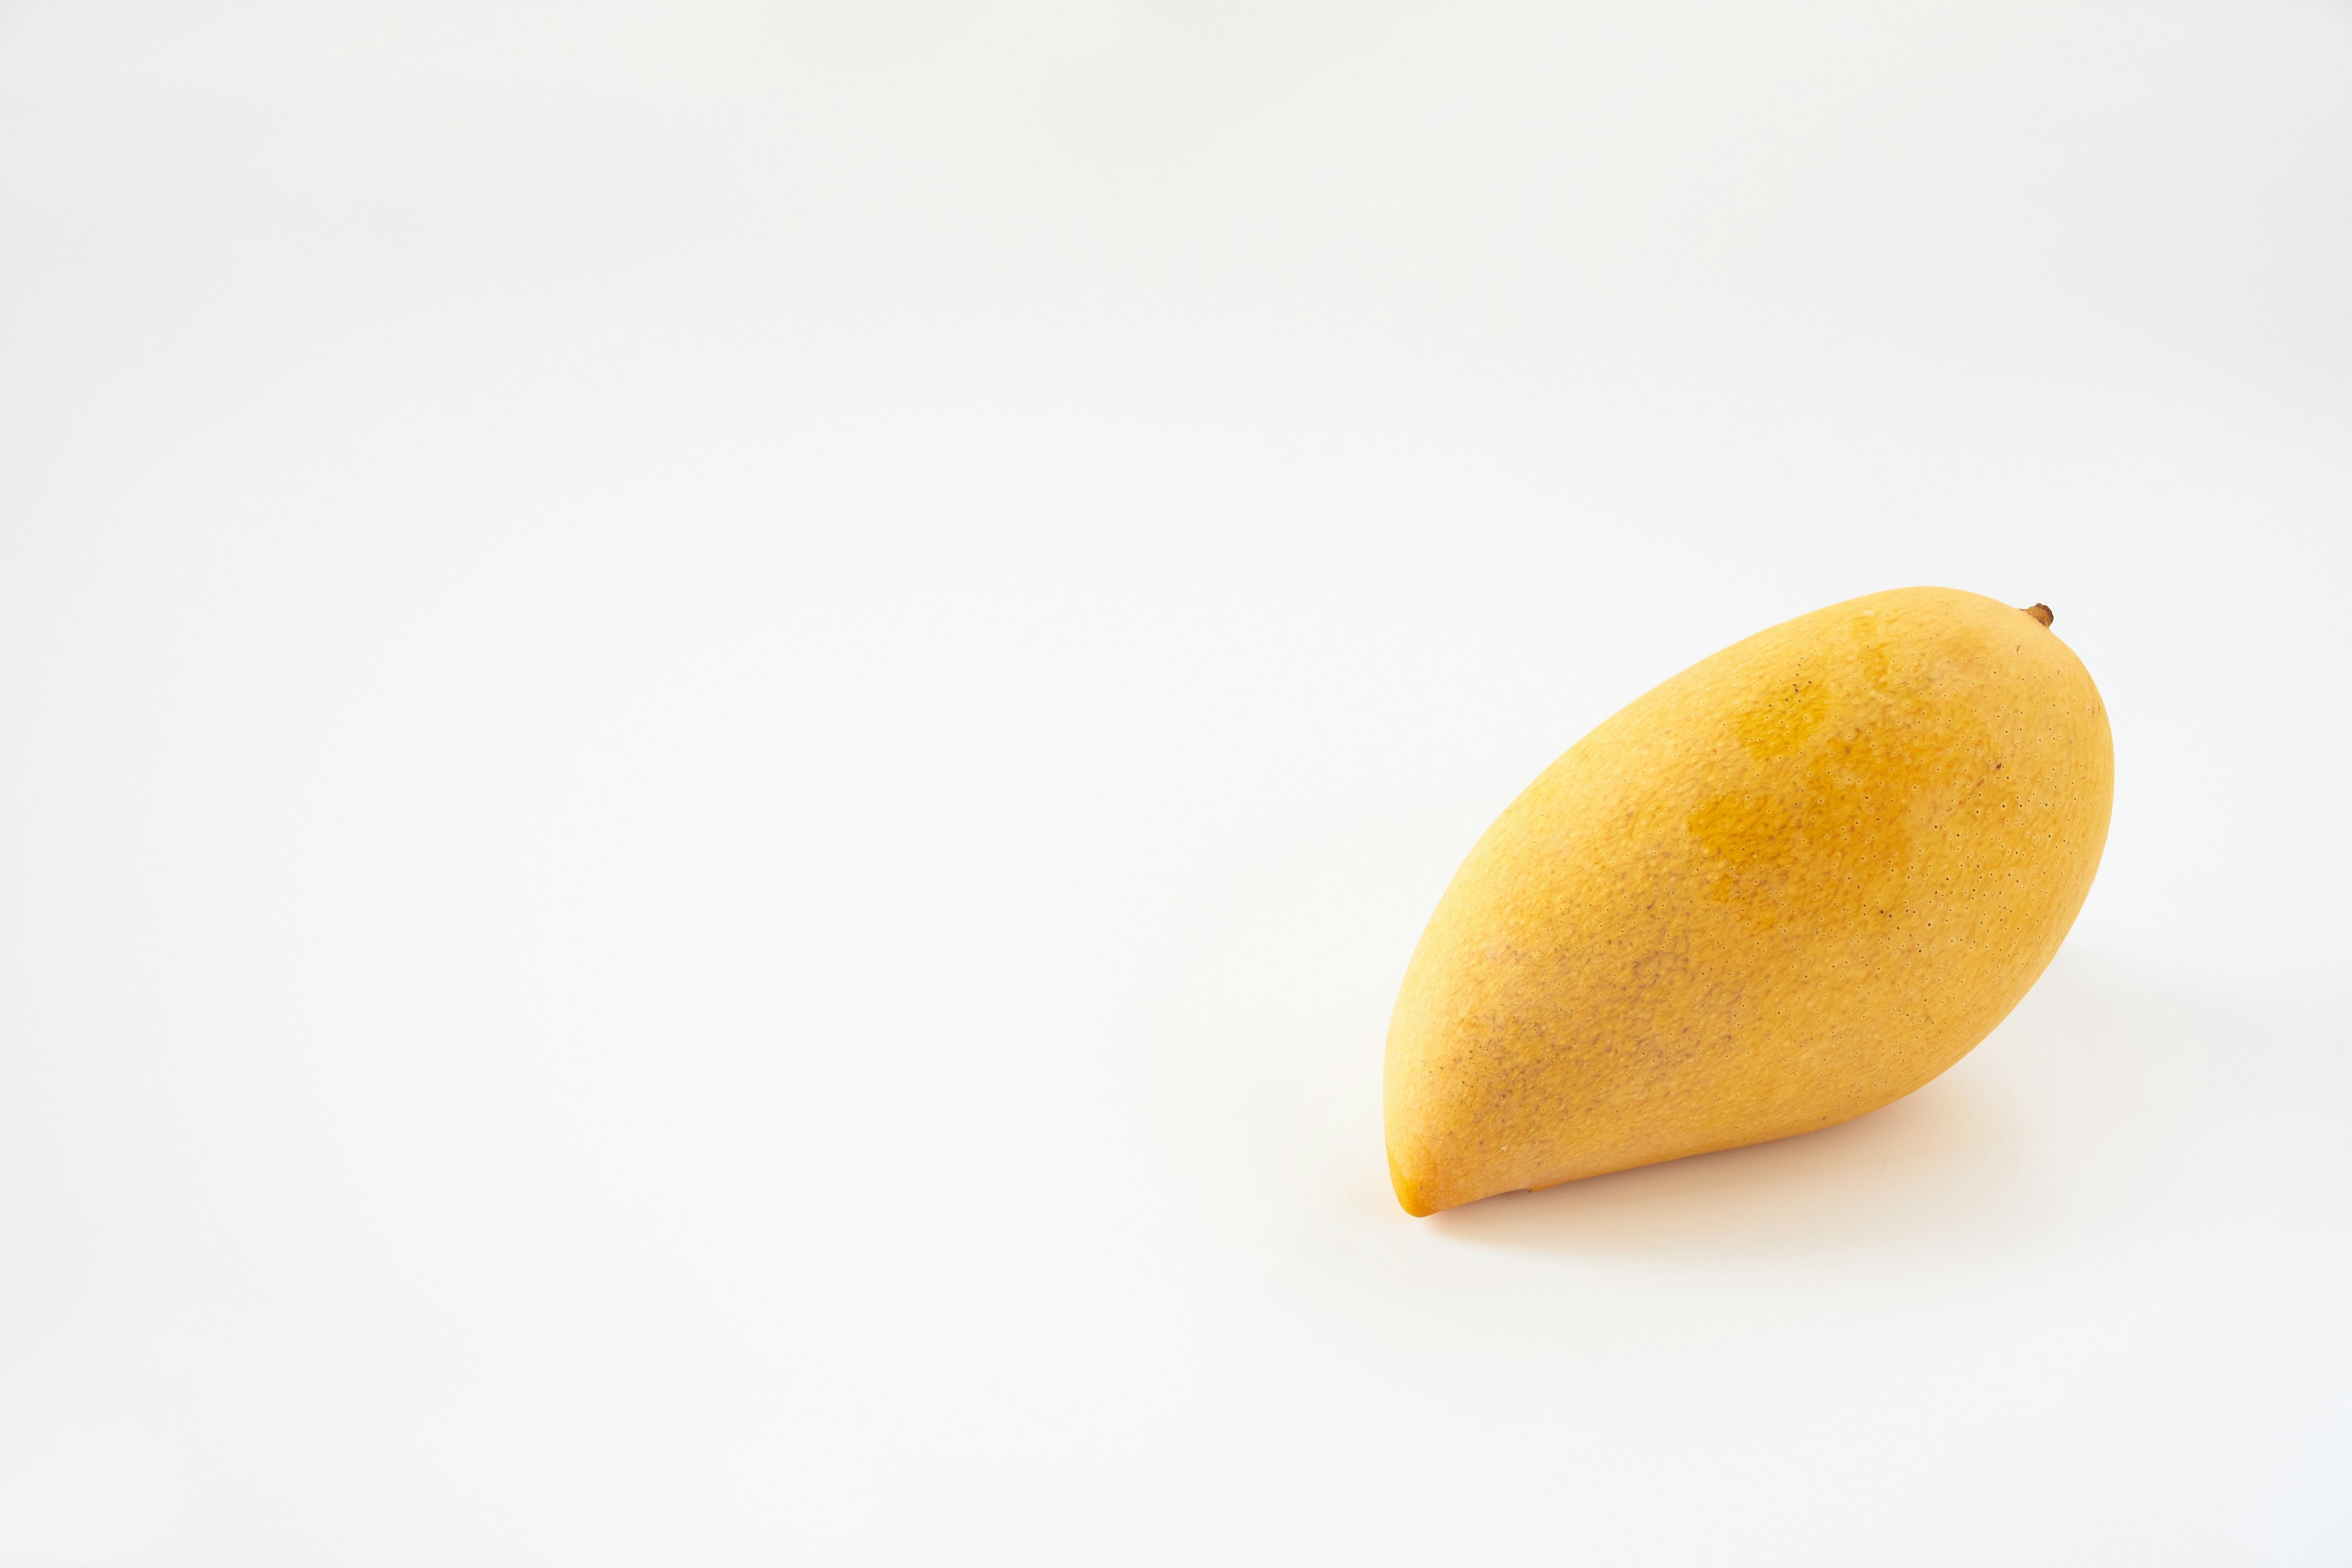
point(725, 725)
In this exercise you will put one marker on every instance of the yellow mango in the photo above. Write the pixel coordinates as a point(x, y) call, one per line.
point(1791, 885)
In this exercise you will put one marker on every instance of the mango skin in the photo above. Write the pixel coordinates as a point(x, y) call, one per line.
point(1791, 885)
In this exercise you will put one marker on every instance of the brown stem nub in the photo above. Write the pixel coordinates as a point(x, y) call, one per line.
point(2041, 613)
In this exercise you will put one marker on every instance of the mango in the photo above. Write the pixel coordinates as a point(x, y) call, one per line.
point(1791, 885)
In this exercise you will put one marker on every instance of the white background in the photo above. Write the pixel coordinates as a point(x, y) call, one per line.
point(724, 724)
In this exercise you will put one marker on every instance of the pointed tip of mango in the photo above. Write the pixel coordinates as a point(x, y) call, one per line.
point(1408, 1195)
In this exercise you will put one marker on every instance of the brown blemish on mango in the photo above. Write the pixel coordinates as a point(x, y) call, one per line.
point(1786, 720)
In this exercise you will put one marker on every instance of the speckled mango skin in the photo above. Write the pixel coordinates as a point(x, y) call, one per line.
point(1791, 885)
